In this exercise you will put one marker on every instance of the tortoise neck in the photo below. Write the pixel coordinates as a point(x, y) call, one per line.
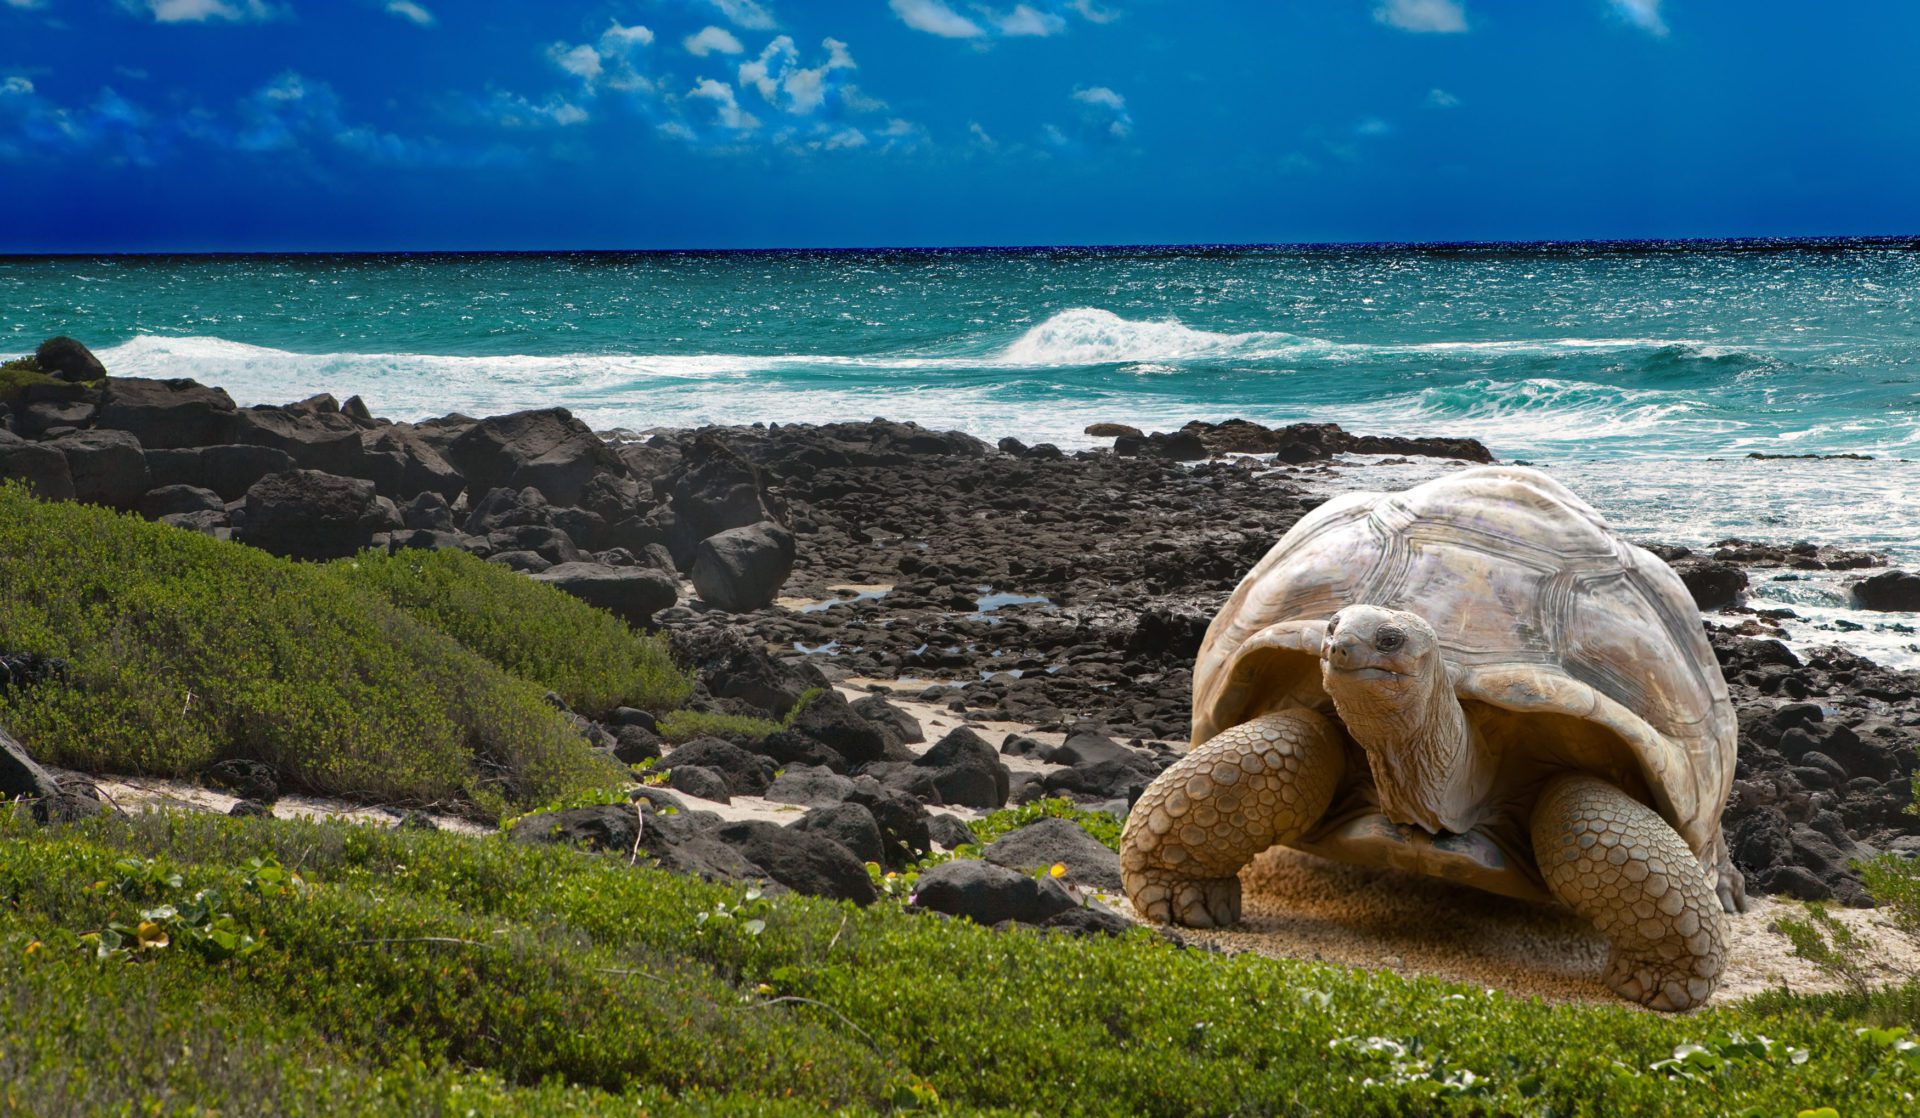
point(1429, 767)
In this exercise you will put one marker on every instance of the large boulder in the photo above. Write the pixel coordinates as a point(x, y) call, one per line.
point(966, 771)
point(107, 467)
point(735, 665)
point(633, 594)
point(19, 774)
point(988, 894)
point(316, 440)
point(38, 417)
point(898, 728)
point(42, 468)
point(227, 470)
point(713, 490)
point(832, 722)
point(1894, 591)
point(1058, 842)
point(850, 825)
point(903, 822)
point(742, 569)
point(307, 514)
point(174, 500)
point(547, 449)
point(69, 360)
point(1713, 584)
point(401, 464)
point(746, 774)
point(803, 861)
point(167, 414)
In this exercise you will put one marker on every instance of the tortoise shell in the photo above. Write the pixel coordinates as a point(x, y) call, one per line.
point(1568, 646)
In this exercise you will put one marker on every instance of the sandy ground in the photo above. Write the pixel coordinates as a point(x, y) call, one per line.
point(1297, 906)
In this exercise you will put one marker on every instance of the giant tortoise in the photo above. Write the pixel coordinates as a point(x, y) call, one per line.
point(1474, 679)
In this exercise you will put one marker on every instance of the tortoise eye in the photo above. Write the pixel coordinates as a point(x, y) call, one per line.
point(1388, 639)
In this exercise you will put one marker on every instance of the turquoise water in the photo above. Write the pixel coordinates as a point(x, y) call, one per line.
point(1642, 374)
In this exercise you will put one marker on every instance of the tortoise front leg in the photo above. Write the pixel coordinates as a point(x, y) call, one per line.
point(1614, 861)
point(1240, 792)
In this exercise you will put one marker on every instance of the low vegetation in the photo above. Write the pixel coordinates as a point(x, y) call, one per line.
point(588, 656)
point(19, 375)
point(182, 650)
point(167, 962)
point(683, 726)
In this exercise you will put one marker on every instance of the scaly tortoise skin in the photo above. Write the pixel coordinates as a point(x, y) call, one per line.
point(1474, 679)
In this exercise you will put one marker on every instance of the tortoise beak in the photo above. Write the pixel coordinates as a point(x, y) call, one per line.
point(1341, 652)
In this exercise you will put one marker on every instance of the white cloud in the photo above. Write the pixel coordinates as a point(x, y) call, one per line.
point(1093, 12)
point(711, 39)
point(856, 100)
point(845, 139)
point(1105, 115)
point(581, 61)
point(202, 11)
point(1437, 16)
point(980, 135)
point(16, 85)
point(1100, 95)
point(778, 71)
point(1373, 126)
point(677, 130)
point(727, 110)
point(1025, 20)
point(514, 111)
point(408, 10)
point(25, 3)
point(1644, 14)
point(619, 40)
point(745, 13)
point(1438, 98)
point(935, 18)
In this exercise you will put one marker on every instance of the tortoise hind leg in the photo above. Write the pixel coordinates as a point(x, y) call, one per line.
point(1614, 861)
point(1243, 790)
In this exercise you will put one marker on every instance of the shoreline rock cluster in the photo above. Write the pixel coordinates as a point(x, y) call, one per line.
point(1008, 583)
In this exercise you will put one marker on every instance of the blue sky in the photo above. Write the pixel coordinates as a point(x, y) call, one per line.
point(437, 124)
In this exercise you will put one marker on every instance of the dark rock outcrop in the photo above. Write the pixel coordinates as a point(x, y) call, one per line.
point(988, 894)
point(168, 414)
point(633, 594)
point(307, 514)
point(742, 569)
point(69, 360)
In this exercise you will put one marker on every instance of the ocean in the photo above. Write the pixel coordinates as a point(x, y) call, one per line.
point(1642, 374)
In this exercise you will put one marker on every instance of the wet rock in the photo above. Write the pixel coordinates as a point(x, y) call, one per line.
point(988, 894)
point(1111, 430)
point(1714, 585)
point(1891, 591)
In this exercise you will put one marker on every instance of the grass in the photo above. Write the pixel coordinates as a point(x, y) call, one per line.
point(588, 656)
point(19, 375)
point(402, 971)
point(183, 650)
point(682, 726)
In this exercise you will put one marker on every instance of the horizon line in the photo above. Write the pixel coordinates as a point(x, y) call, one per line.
point(1754, 242)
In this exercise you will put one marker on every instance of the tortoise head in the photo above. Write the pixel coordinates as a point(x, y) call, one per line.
point(1385, 649)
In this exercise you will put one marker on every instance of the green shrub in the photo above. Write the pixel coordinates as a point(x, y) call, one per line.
point(183, 650)
point(1895, 883)
point(683, 726)
point(587, 655)
point(432, 965)
point(18, 376)
point(1101, 825)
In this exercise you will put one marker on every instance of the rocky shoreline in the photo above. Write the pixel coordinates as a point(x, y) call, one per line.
point(1001, 583)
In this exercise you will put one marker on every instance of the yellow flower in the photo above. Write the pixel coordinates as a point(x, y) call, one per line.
point(32, 947)
point(151, 934)
point(1059, 869)
point(763, 988)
